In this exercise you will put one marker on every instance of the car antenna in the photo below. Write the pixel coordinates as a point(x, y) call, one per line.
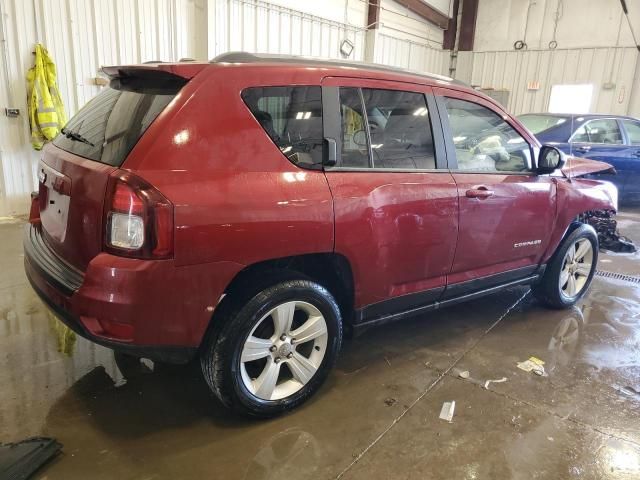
point(570, 147)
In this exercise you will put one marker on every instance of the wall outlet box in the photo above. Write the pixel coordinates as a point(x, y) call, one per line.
point(12, 112)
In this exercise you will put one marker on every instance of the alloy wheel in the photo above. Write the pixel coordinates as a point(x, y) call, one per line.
point(576, 268)
point(284, 350)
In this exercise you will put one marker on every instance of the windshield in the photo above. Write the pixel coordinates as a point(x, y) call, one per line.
point(108, 127)
point(540, 123)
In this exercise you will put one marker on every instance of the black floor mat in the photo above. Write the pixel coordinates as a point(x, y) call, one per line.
point(18, 461)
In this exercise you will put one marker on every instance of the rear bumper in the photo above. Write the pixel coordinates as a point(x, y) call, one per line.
point(165, 354)
point(147, 308)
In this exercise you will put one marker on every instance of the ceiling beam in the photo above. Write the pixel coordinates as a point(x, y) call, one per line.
point(468, 25)
point(373, 14)
point(449, 36)
point(426, 11)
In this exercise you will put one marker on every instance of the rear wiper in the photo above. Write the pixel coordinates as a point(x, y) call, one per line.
point(75, 136)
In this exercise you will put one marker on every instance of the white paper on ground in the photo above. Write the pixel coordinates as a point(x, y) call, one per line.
point(447, 411)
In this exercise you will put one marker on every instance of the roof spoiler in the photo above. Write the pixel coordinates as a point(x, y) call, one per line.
point(186, 69)
point(143, 80)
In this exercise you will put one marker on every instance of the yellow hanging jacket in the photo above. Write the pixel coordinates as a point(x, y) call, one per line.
point(46, 111)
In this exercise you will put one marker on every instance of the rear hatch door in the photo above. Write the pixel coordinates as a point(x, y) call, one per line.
point(75, 168)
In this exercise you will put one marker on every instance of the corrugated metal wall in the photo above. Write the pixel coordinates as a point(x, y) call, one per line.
point(257, 26)
point(512, 70)
point(82, 36)
point(418, 56)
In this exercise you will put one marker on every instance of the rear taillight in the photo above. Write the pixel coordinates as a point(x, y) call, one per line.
point(138, 219)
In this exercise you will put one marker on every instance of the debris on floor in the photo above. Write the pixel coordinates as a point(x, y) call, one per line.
point(533, 364)
point(390, 401)
point(489, 382)
point(630, 391)
point(465, 374)
point(18, 461)
point(447, 411)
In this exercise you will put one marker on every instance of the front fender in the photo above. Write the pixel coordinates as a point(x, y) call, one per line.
point(574, 197)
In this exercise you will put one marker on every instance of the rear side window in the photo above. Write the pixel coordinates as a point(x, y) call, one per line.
point(604, 130)
point(292, 117)
point(108, 127)
point(633, 131)
point(385, 129)
point(400, 129)
point(355, 147)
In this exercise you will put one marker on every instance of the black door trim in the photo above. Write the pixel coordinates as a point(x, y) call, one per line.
point(464, 288)
point(415, 303)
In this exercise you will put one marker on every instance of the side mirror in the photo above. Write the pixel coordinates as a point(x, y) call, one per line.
point(550, 159)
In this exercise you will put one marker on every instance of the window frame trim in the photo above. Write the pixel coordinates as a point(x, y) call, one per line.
point(441, 95)
point(332, 122)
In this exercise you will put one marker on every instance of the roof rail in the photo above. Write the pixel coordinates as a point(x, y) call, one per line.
point(246, 57)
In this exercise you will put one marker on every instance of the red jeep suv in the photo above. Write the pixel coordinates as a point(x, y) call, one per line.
point(250, 209)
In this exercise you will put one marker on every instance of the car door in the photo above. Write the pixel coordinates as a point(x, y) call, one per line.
point(630, 170)
point(395, 203)
point(601, 139)
point(506, 209)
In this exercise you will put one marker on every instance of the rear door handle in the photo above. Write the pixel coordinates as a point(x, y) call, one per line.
point(479, 191)
point(636, 153)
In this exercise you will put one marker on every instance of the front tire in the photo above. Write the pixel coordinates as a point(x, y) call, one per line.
point(273, 352)
point(571, 269)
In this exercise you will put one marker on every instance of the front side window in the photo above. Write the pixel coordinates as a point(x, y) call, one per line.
point(483, 141)
point(292, 117)
point(603, 130)
point(633, 131)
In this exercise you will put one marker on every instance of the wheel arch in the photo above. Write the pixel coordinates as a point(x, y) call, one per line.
point(331, 270)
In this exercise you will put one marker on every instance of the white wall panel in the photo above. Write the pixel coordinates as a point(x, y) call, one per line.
point(82, 36)
point(513, 70)
point(412, 55)
point(257, 26)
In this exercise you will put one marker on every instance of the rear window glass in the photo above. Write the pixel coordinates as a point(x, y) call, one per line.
point(108, 127)
point(292, 117)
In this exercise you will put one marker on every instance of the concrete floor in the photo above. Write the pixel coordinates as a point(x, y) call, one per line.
point(377, 416)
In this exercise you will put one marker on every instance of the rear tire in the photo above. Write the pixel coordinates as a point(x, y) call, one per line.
point(273, 352)
point(570, 271)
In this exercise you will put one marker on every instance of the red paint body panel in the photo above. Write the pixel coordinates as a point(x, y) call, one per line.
point(520, 210)
point(575, 197)
point(397, 229)
point(73, 222)
point(238, 201)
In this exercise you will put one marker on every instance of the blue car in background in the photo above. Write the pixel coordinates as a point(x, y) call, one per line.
point(608, 138)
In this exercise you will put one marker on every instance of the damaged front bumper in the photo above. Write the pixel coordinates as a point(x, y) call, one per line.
point(604, 223)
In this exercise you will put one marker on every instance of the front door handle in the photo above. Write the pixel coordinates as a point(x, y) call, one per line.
point(583, 148)
point(636, 153)
point(479, 191)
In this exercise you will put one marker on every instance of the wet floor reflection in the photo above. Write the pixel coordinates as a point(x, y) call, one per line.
point(124, 418)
